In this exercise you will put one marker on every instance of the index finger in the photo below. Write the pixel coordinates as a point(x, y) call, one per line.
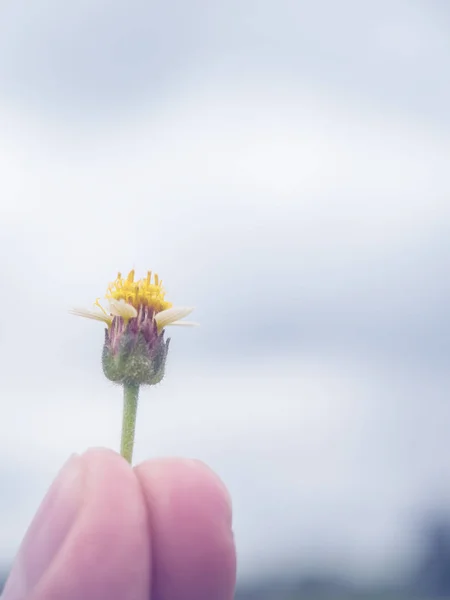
point(189, 521)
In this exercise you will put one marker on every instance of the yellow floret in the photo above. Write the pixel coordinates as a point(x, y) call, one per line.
point(142, 292)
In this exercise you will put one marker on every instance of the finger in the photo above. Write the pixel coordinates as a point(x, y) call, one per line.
point(89, 537)
point(190, 531)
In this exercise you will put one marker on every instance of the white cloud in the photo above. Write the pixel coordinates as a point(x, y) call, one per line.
point(415, 32)
point(236, 162)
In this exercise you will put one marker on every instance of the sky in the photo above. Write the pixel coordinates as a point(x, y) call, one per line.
point(284, 168)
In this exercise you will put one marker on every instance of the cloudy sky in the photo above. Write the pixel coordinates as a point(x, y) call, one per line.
point(284, 167)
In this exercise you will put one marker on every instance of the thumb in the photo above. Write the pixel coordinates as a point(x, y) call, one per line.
point(86, 540)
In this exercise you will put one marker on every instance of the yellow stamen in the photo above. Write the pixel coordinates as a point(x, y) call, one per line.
point(140, 292)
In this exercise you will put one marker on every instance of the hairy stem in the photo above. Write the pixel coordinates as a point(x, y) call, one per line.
point(130, 403)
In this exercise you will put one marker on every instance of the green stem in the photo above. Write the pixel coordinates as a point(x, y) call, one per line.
point(130, 402)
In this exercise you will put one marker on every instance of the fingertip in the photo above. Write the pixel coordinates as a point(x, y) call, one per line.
point(104, 549)
point(190, 520)
point(109, 553)
point(206, 472)
point(193, 474)
point(106, 462)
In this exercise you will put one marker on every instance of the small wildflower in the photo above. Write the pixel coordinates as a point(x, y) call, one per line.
point(135, 351)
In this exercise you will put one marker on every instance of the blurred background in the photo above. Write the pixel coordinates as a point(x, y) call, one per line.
point(284, 167)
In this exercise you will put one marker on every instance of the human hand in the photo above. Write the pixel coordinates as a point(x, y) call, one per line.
point(160, 531)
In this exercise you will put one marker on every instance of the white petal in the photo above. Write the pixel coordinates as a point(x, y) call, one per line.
point(184, 323)
point(120, 308)
point(171, 315)
point(90, 314)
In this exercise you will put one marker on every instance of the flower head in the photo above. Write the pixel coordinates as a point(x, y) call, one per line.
point(135, 351)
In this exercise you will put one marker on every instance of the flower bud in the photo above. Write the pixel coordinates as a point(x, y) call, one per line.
point(134, 352)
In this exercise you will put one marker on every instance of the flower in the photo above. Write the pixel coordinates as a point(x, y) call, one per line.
point(135, 351)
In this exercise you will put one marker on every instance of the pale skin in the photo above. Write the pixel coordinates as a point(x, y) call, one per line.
point(106, 531)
